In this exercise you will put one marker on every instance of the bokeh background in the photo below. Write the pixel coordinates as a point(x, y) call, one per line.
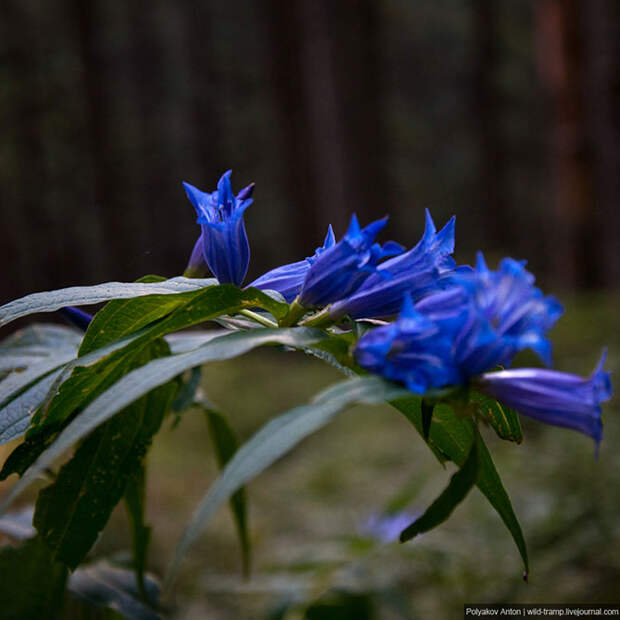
point(505, 113)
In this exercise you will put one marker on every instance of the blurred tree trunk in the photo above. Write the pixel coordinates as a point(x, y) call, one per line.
point(560, 52)
point(308, 109)
point(102, 219)
point(487, 113)
point(327, 75)
point(204, 83)
point(602, 41)
point(24, 186)
point(360, 72)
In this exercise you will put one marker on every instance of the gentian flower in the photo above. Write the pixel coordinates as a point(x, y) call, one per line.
point(413, 350)
point(452, 335)
point(415, 272)
point(557, 398)
point(517, 310)
point(341, 269)
point(224, 240)
point(287, 279)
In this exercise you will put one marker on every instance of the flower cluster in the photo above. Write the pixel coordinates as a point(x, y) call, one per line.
point(455, 326)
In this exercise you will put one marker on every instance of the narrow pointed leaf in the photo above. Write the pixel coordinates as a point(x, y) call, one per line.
point(504, 421)
point(16, 382)
point(187, 393)
point(140, 532)
point(273, 441)
point(15, 416)
point(142, 380)
point(427, 416)
point(204, 305)
point(460, 485)
point(50, 301)
point(72, 511)
point(225, 444)
point(41, 338)
point(452, 436)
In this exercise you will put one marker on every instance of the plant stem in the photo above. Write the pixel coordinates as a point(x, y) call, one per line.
point(318, 319)
point(296, 311)
point(263, 320)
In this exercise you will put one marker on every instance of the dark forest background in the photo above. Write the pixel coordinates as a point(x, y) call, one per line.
point(502, 112)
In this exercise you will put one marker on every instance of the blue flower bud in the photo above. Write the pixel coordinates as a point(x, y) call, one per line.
point(552, 397)
point(287, 279)
point(416, 272)
point(224, 240)
point(341, 269)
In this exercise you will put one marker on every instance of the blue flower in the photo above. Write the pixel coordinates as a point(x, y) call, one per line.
point(76, 317)
point(287, 279)
point(557, 398)
point(519, 313)
point(224, 240)
point(480, 322)
point(413, 350)
point(341, 269)
point(416, 272)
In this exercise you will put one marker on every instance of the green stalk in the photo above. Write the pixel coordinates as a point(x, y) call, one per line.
point(263, 320)
point(296, 311)
point(318, 319)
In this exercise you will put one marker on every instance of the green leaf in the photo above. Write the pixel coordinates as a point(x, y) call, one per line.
point(187, 393)
point(50, 301)
point(504, 421)
point(40, 436)
point(35, 344)
point(79, 379)
point(72, 511)
point(32, 354)
point(225, 444)
point(140, 381)
point(121, 317)
point(40, 339)
point(187, 341)
point(273, 441)
point(460, 485)
point(203, 305)
point(15, 416)
point(427, 416)
point(32, 584)
point(27, 452)
point(452, 436)
point(18, 380)
point(140, 532)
